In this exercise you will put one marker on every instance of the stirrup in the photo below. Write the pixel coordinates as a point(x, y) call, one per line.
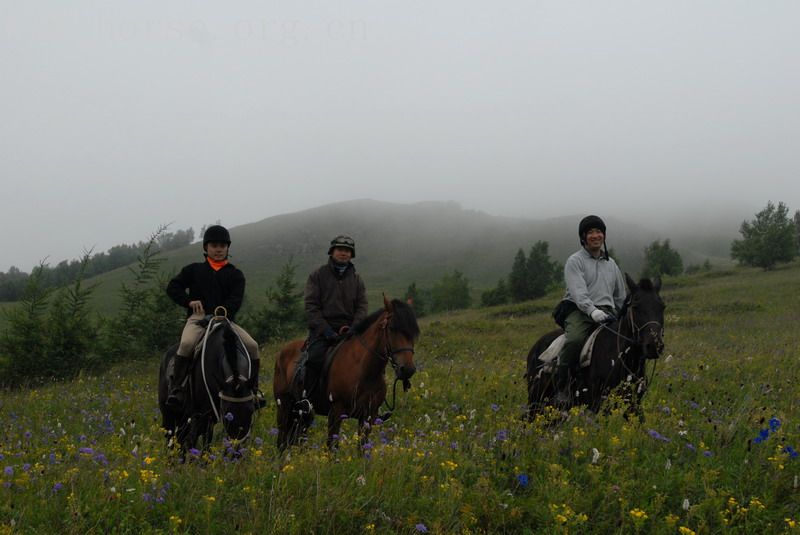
point(303, 406)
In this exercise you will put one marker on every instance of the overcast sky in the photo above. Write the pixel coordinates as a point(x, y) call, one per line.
point(117, 117)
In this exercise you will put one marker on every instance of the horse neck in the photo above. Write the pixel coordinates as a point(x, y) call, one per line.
point(374, 340)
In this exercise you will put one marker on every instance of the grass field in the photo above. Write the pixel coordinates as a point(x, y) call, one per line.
point(717, 452)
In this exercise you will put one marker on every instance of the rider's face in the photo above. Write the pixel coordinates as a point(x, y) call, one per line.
point(341, 255)
point(217, 251)
point(594, 240)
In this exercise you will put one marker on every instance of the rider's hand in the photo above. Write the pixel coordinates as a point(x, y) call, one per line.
point(344, 329)
point(330, 334)
point(599, 316)
point(196, 307)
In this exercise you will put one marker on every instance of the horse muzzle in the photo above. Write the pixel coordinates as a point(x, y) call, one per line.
point(404, 372)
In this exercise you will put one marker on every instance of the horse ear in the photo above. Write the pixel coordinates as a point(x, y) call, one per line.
point(387, 304)
point(657, 284)
point(632, 287)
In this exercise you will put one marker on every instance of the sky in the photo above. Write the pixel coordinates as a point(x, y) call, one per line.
point(116, 118)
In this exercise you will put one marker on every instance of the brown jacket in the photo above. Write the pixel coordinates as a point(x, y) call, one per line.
point(333, 300)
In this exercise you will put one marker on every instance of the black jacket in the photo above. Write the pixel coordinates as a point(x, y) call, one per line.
point(199, 281)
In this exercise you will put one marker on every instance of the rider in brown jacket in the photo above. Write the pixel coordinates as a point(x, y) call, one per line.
point(335, 300)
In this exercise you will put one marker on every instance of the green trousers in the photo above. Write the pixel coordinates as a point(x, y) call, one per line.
point(578, 326)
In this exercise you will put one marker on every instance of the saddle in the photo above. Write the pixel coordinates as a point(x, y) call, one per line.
point(549, 357)
point(299, 376)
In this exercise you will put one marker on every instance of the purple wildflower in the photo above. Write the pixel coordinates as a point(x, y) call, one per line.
point(9, 471)
point(194, 452)
point(791, 451)
point(258, 441)
point(86, 451)
point(343, 417)
point(691, 447)
point(502, 435)
point(522, 479)
point(57, 486)
point(495, 407)
point(774, 424)
point(656, 435)
point(421, 528)
point(708, 453)
point(228, 416)
point(28, 434)
point(378, 421)
point(273, 431)
point(26, 467)
point(764, 434)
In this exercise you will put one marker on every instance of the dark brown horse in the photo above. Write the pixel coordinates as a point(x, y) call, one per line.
point(619, 354)
point(354, 386)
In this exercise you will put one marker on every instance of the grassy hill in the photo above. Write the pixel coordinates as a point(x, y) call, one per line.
point(717, 451)
point(398, 244)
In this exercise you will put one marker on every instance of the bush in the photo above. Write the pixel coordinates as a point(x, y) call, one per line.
point(767, 240)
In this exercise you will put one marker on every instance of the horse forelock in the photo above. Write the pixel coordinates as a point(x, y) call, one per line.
point(646, 285)
point(403, 321)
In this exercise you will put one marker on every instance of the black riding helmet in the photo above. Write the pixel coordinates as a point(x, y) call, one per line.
point(588, 223)
point(216, 233)
point(343, 241)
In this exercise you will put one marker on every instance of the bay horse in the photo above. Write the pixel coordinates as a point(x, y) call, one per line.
point(218, 390)
point(619, 354)
point(354, 385)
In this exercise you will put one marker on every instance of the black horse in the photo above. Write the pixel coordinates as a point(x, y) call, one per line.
point(218, 389)
point(619, 354)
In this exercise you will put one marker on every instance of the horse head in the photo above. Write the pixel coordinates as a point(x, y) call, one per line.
point(400, 325)
point(236, 401)
point(645, 314)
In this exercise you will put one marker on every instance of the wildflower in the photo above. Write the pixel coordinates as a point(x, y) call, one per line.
point(86, 451)
point(228, 417)
point(495, 407)
point(57, 486)
point(685, 504)
point(774, 424)
point(708, 453)
point(502, 435)
point(791, 451)
point(683, 530)
point(791, 523)
point(595, 455)
point(369, 527)
point(638, 514)
point(210, 499)
point(522, 479)
point(194, 452)
point(656, 435)
point(671, 519)
point(421, 528)
point(361, 480)
point(378, 421)
point(9, 471)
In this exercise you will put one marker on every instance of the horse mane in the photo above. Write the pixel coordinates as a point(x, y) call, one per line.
point(403, 320)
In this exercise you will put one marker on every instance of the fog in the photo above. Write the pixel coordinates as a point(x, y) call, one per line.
point(117, 118)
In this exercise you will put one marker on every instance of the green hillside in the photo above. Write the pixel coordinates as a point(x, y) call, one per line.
point(717, 451)
point(402, 243)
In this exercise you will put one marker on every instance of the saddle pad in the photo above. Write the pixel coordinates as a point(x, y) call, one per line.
point(549, 356)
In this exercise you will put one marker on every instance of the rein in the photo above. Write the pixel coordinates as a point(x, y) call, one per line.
point(637, 329)
point(388, 356)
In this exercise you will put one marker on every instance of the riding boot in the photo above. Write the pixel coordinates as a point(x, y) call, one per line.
point(177, 393)
point(304, 406)
point(255, 365)
point(563, 397)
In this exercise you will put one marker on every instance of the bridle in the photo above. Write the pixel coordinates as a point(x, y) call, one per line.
point(388, 355)
point(657, 332)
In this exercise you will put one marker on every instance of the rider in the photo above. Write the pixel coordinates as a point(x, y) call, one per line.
point(595, 294)
point(201, 287)
point(335, 300)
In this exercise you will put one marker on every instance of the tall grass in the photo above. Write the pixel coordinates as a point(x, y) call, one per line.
point(717, 451)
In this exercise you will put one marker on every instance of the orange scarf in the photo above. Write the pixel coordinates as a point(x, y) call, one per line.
point(216, 266)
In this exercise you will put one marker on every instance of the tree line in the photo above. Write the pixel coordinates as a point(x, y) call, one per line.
point(13, 282)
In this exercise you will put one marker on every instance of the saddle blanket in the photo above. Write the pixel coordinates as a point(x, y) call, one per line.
point(549, 357)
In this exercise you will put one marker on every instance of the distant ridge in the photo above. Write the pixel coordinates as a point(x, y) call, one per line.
point(398, 244)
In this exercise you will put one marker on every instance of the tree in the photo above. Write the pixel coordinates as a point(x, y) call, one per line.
point(542, 272)
point(661, 259)
point(451, 292)
point(518, 282)
point(767, 240)
point(282, 316)
point(499, 295)
point(531, 277)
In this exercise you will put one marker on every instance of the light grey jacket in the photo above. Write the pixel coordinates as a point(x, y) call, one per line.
point(593, 282)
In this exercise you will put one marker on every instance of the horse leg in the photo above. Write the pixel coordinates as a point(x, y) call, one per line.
point(284, 420)
point(541, 389)
point(334, 425)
